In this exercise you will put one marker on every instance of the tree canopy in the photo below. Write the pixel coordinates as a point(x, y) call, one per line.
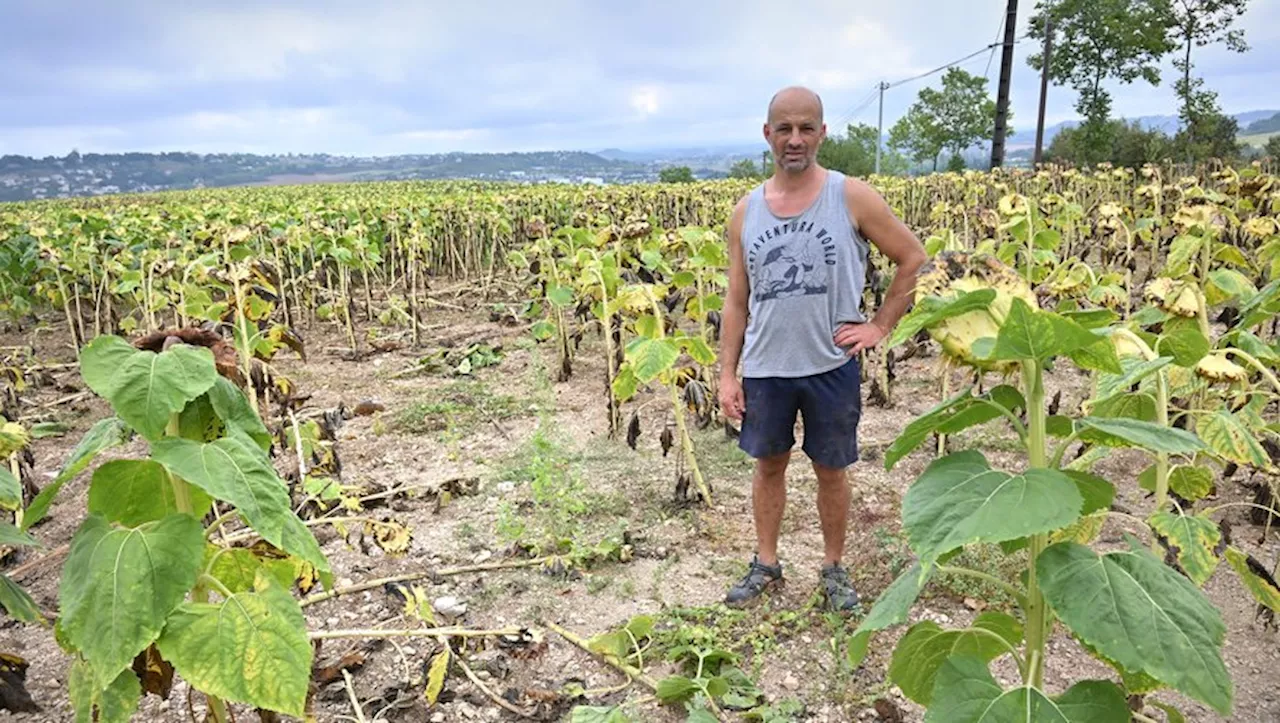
point(1096, 41)
point(952, 118)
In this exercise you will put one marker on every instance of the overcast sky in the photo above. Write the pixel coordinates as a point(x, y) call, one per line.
point(382, 78)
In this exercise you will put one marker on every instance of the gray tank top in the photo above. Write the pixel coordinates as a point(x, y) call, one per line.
point(806, 276)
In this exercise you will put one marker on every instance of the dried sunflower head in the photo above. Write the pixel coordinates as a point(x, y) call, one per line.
point(1216, 367)
point(1176, 297)
point(13, 437)
point(951, 273)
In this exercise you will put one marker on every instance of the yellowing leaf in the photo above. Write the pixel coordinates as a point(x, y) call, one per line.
point(436, 675)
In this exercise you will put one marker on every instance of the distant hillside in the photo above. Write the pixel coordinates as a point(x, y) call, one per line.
point(93, 174)
point(1266, 125)
point(1026, 137)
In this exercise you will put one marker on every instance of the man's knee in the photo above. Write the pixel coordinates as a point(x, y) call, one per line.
point(774, 468)
point(830, 475)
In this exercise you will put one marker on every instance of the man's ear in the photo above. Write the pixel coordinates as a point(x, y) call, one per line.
point(767, 132)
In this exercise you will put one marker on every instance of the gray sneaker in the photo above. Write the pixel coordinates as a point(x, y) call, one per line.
point(759, 578)
point(838, 591)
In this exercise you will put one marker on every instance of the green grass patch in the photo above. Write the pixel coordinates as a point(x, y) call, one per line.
point(458, 408)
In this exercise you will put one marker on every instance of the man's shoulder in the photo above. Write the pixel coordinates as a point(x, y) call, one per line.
point(860, 197)
point(740, 208)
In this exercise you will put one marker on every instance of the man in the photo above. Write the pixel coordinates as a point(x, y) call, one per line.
point(793, 322)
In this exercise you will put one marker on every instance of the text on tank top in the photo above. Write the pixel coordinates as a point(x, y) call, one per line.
point(806, 275)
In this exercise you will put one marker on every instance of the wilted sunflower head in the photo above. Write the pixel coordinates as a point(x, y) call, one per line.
point(1176, 297)
point(13, 438)
point(1216, 367)
point(1261, 227)
point(952, 273)
point(1013, 204)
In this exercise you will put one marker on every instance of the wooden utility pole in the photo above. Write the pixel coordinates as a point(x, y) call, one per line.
point(1006, 71)
point(1044, 83)
point(880, 125)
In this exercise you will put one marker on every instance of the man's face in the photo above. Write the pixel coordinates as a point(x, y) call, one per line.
point(794, 132)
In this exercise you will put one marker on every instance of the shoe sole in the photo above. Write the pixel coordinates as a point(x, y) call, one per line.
point(754, 601)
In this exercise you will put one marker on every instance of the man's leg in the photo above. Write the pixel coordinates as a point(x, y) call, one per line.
point(832, 408)
point(769, 499)
point(833, 510)
point(768, 427)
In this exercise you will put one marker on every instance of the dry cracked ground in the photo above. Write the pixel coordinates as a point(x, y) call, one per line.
point(481, 466)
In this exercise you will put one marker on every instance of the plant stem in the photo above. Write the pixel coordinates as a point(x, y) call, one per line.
point(1252, 361)
point(410, 577)
point(246, 350)
point(466, 669)
point(351, 694)
point(1162, 458)
point(986, 577)
point(686, 444)
point(1038, 621)
point(622, 667)
point(16, 470)
point(446, 632)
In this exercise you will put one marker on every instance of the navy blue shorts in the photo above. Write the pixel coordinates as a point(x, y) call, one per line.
point(829, 403)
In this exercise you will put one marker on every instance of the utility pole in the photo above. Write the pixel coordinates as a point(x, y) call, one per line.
point(1006, 70)
point(1044, 82)
point(880, 125)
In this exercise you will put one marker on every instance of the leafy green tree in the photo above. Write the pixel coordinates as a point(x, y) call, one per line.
point(956, 164)
point(1096, 41)
point(953, 118)
point(1206, 132)
point(676, 174)
point(1273, 146)
point(918, 135)
point(854, 153)
point(746, 168)
point(1129, 145)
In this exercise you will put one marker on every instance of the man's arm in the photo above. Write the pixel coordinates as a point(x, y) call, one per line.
point(733, 319)
point(878, 224)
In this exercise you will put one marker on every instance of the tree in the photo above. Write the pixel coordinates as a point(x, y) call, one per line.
point(917, 134)
point(1273, 146)
point(1209, 134)
point(854, 153)
point(676, 174)
point(1129, 145)
point(956, 164)
point(953, 118)
point(1195, 24)
point(746, 168)
point(1100, 40)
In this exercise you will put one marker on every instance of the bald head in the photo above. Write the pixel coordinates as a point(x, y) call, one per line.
point(794, 99)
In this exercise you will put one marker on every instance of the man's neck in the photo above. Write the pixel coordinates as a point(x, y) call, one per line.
point(788, 182)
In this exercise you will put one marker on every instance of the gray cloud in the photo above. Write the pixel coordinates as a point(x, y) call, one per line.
point(386, 77)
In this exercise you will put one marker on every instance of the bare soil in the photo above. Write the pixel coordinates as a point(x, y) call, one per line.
point(684, 558)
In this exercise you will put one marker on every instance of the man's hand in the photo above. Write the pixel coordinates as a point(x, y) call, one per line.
point(853, 338)
point(732, 401)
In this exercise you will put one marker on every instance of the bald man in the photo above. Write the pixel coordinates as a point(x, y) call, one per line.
point(793, 325)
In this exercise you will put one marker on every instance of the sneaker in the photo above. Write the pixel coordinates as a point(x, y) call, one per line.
point(838, 591)
point(759, 578)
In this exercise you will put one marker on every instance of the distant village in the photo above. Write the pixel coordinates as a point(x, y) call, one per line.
point(91, 174)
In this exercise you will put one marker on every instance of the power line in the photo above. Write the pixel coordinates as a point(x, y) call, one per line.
point(999, 30)
point(857, 110)
point(953, 63)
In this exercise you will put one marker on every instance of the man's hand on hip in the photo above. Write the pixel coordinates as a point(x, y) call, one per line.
point(732, 400)
point(853, 338)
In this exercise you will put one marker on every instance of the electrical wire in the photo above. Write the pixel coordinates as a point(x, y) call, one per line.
point(999, 30)
point(857, 109)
